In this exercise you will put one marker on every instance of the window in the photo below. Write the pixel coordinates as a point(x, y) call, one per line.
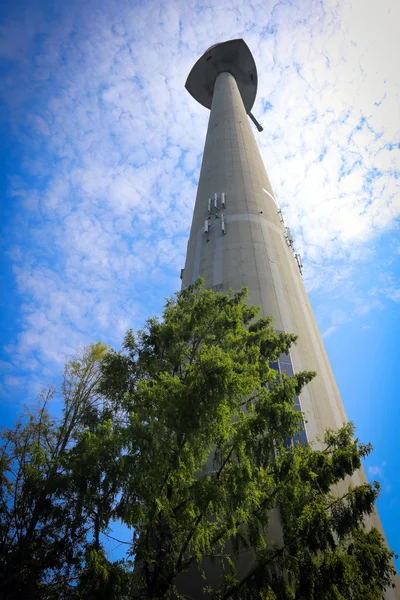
point(284, 365)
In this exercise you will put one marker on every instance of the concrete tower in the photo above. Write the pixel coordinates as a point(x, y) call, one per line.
point(238, 237)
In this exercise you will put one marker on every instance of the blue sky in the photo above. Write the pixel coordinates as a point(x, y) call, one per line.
point(99, 158)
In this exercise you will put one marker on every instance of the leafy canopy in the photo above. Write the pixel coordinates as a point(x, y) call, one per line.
point(205, 422)
point(182, 437)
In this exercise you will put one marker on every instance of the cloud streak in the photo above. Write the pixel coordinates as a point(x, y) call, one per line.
point(112, 144)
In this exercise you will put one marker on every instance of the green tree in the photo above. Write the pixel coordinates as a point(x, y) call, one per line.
point(45, 529)
point(182, 437)
point(202, 423)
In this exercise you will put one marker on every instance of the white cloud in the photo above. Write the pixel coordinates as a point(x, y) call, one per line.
point(394, 295)
point(388, 286)
point(329, 331)
point(113, 146)
point(364, 308)
point(377, 470)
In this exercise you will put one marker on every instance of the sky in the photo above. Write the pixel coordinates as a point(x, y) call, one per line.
point(99, 159)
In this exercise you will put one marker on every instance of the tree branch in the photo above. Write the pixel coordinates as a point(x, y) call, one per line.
point(240, 584)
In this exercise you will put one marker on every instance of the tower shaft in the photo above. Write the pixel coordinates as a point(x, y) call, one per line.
point(255, 251)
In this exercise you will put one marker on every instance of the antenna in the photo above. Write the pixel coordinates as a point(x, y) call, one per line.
point(299, 263)
point(256, 123)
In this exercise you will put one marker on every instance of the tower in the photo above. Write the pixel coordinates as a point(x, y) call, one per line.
point(238, 237)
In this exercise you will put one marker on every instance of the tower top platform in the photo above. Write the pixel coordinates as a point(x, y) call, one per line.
point(232, 57)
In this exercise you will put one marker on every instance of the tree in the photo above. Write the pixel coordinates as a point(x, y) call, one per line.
point(182, 436)
point(203, 422)
point(44, 526)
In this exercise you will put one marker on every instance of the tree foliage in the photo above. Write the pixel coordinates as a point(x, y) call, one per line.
point(45, 527)
point(182, 437)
